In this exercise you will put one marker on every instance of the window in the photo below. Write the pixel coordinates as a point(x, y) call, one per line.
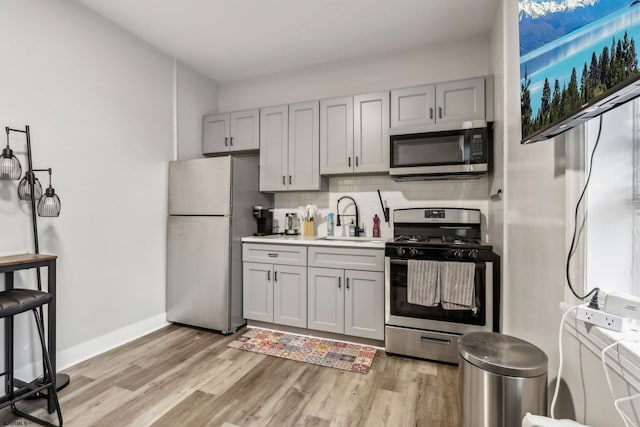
point(612, 229)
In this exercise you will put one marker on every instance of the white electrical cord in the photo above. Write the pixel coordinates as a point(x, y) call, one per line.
point(557, 389)
point(617, 402)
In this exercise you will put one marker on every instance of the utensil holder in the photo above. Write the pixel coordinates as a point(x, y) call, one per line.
point(308, 228)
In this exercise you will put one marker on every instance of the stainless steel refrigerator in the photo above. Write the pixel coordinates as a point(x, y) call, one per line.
point(210, 209)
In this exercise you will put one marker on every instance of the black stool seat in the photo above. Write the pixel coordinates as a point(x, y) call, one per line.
point(16, 301)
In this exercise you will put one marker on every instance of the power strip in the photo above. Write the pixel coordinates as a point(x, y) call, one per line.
point(603, 319)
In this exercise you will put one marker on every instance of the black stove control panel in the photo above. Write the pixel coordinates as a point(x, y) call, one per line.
point(439, 253)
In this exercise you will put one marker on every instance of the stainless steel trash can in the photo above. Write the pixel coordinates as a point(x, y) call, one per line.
point(501, 379)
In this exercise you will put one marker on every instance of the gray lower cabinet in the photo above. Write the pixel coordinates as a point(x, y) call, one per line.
point(274, 284)
point(346, 291)
point(349, 302)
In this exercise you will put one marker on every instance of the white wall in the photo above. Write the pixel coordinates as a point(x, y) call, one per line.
point(100, 103)
point(468, 58)
point(197, 95)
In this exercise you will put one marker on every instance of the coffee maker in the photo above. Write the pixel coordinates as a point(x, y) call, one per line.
point(264, 217)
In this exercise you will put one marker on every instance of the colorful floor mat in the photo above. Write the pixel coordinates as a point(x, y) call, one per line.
point(317, 351)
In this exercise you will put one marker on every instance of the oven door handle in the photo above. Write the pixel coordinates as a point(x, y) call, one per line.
point(435, 340)
point(399, 261)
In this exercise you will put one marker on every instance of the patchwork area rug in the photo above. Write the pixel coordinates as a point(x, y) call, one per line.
point(317, 351)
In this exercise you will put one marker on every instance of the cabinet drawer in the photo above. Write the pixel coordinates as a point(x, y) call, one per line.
point(275, 254)
point(349, 258)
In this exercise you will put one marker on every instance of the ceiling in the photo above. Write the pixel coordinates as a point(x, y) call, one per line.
point(233, 40)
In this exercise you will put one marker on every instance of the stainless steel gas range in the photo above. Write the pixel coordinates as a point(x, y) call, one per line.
point(439, 238)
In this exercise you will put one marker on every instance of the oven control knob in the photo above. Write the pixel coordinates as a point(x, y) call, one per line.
point(458, 253)
point(400, 251)
point(473, 254)
point(413, 252)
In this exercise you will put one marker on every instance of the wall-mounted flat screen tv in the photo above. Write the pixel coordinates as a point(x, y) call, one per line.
point(578, 59)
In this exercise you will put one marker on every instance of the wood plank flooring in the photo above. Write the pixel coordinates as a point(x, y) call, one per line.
point(180, 376)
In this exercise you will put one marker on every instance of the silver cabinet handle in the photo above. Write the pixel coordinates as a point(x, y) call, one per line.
point(356, 161)
point(231, 140)
point(339, 282)
point(272, 255)
point(275, 276)
point(268, 275)
point(226, 141)
point(431, 113)
point(289, 179)
point(349, 161)
point(347, 283)
point(283, 180)
point(440, 112)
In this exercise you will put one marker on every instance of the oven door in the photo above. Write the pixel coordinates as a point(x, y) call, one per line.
point(399, 312)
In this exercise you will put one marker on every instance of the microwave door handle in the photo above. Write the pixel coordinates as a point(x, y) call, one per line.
point(461, 142)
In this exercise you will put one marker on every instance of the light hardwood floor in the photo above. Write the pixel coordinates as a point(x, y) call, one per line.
point(179, 376)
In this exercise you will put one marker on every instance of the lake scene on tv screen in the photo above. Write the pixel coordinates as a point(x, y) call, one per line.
point(572, 51)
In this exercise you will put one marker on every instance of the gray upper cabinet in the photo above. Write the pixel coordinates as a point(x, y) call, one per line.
point(449, 102)
point(336, 136)
point(224, 133)
point(274, 155)
point(371, 132)
point(290, 147)
point(354, 134)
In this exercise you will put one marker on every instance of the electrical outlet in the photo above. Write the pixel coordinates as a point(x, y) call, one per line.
point(603, 319)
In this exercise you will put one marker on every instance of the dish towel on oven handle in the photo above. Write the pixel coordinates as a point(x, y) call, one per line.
point(457, 285)
point(422, 282)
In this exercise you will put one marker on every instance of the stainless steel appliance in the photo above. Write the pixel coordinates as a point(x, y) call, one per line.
point(291, 222)
point(437, 234)
point(460, 153)
point(264, 218)
point(210, 210)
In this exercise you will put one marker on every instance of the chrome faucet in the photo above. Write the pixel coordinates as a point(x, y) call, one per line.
point(357, 215)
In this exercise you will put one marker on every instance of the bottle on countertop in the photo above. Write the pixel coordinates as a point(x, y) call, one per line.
point(376, 226)
point(330, 224)
point(352, 229)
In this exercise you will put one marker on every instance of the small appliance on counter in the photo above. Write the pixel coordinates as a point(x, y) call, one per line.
point(264, 218)
point(291, 223)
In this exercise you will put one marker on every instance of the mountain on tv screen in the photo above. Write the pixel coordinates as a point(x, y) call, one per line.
point(573, 53)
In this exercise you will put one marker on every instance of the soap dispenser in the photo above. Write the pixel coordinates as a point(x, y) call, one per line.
point(352, 229)
point(330, 224)
point(376, 226)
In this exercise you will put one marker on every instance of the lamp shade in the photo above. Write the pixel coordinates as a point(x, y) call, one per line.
point(10, 167)
point(49, 205)
point(24, 189)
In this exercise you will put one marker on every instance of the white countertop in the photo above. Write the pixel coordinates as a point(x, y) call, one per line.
point(355, 242)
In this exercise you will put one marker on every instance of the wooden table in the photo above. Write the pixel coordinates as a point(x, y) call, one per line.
point(12, 263)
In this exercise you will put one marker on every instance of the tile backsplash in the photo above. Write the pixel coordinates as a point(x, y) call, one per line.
point(462, 193)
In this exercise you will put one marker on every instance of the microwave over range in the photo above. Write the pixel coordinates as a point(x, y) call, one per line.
point(458, 153)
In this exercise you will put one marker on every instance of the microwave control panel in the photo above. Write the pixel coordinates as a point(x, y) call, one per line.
point(477, 147)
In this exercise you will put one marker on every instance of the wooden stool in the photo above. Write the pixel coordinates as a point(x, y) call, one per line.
point(16, 301)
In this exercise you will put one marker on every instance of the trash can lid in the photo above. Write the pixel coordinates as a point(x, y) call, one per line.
point(503, 354)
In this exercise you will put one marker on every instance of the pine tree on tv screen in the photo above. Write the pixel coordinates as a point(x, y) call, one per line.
point(572, 51)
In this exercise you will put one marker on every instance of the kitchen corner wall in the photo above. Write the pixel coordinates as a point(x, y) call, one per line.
point(100, 103)
point(468, 193)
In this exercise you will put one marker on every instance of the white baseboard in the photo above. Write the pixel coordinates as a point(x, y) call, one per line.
point(86, 350)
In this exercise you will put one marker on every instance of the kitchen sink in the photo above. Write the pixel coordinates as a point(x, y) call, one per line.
point(352, 239)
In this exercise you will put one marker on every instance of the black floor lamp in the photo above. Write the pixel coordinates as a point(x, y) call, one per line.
point(29, 188)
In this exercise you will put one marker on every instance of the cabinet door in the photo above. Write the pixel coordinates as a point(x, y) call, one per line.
point(290, 295)
point(215, 133)
point(336, 136)
point(364, 304)
point(371, 132)
point(257, 291)
point(460, 101)
point(304, 146)
point(413, 106)
point(245, 130)
point(274, 131)
point(326, 299)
